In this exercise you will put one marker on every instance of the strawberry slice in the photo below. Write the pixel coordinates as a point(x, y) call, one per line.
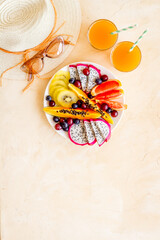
point(105, 86)
point(113, 104)
point(109, 95)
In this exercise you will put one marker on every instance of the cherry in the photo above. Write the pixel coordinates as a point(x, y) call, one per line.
point(86, 71)
point(69, 121)
point(79, 102)
point(62, 120)
point(84, 106)
point(104, 78)
point(114, 113)
point(58, 126)
point(104, 106)
point(77, 83)
point(51, 103)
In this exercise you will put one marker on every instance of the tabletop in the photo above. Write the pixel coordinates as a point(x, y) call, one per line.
point(53, 189)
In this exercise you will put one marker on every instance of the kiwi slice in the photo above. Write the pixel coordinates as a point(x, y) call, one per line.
point(57, 90)
point(54, 85)
point(66, 98)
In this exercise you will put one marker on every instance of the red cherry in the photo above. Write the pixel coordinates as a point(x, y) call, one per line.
point(86, 71)
point(69, 121)
point(62, 120)
point(58, 126)
point(77, 83)
point(104, 78)
point(104, 106)
point(51, 103)
point(84, 106)
point(114, 113)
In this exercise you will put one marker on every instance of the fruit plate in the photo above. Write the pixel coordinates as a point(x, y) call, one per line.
point(103, 71)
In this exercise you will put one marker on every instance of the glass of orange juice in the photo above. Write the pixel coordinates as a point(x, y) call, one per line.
point(99, 34)
point(123, 59)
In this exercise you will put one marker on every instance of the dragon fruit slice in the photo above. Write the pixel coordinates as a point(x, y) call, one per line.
point(73, 72)
point(94, 74)
point(104, 128)
point(83, 78)
point(89, 132)
point(100, 139)
point(77, 134)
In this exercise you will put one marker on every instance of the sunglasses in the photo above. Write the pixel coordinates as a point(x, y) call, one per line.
point(36, 64)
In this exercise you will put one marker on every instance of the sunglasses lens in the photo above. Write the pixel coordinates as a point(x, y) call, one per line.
point(34, 66)
point(55, 48)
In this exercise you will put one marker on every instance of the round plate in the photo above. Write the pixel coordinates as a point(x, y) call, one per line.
point(103, 71)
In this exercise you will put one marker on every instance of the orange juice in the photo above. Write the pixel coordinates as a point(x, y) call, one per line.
point(99, 34)
point(122, 59)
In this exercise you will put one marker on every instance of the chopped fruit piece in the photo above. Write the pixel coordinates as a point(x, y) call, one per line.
point(69, 121)
point(89, 133)
point(62, 120)
point(104, 106)
point(94, 74)
point(56, 91)
point(79, 102)
point(98, 81)
point(86, 71)
point(76, 121)
point(48, 98)
point(72, 113)
point(72, 80)
point(56, 119)
point(90, 95)
point(114, 105)
point(58, 126)
point(100, 139)
point(77, 83)
point(112, 94)
point(83, 78)
point(104, 78)
point(105, 87)
point(109, 110)
point(66, 98)
point(74, 105)
point(63, 74)
point(73, 72)
point(114, 113)
point(77, 134)
point(84, 106)
point(104, 128)
point(51, 103)
point(90, 104)
point(64, 125)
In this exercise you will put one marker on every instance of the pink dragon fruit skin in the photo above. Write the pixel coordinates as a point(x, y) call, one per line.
point(75, 138)
point(107, 137)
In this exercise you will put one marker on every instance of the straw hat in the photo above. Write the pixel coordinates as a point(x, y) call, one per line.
point(26, 23)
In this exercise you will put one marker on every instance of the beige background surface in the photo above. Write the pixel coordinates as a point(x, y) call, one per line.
point(52, 189)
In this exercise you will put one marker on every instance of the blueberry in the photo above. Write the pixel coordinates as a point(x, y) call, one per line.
point(56, 119)
point(76, 121)
point(90, 95)
point(109, 110)
point(48, 98)
point(98, 81)
point(74, 105)
point(72, 80)
point(66, 129)
point(64, 125)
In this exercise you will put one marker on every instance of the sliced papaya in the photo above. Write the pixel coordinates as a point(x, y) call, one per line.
point(112, 94)
point(90, 104)
point(113, 104)
point(72, 113)
point(106, 86)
